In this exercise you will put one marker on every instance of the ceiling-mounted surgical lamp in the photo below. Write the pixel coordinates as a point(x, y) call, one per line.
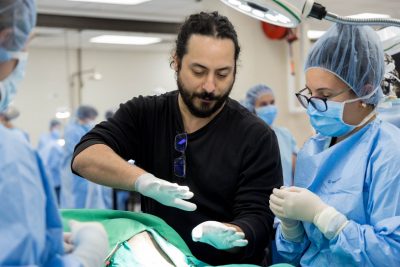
point(289, 13)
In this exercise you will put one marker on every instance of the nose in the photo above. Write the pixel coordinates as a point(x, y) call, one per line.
point(209, 84)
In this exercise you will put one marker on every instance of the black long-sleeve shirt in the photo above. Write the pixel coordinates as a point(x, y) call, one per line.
point(232, 165)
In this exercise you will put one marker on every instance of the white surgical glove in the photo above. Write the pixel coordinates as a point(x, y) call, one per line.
point(68, 246)
point(301, 204)
point(168, 194)
point(292, 230)
point(218, 235)
point(90, 242)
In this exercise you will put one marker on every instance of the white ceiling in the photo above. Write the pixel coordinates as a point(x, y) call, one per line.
point(155, 10)
point(170, 11)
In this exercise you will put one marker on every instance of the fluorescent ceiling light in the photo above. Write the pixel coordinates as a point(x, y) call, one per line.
point(126, 40)
point(314, 35)
point(116, 2)
point(61, 142)
point(63, 114)
point(369, 16)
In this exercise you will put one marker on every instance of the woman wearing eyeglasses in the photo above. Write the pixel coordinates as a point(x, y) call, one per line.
point(344, 209)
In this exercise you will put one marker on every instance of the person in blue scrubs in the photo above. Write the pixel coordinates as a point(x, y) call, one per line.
point(77, 192)
point(30, 225)
point(260, 100)
point(51, 153)
point(344, 209)
point(54, 134)
point(7, 117)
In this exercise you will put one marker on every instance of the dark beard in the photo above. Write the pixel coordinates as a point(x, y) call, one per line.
point(204, 111)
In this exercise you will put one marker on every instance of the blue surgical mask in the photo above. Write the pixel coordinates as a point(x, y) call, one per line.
point(55, 134)
point(89, 125)
point(267, 113)
point(330, 122)
point(8, 86)
point(4, 55)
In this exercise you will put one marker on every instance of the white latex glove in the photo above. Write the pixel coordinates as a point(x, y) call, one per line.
point(68, 246)
point(218, 235)
point(301, 204)
point(90, 241)
point(166, 193)
point(296, 203)
point(292, 230)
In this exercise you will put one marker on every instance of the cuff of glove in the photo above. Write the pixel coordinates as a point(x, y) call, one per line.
point(293, 233)
point(142, 180)
point(330, 222)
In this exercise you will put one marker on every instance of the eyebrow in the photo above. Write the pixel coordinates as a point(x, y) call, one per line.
point(325, 90)
point(194, 65)
point(321, 89)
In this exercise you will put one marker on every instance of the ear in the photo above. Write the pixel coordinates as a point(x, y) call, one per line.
point(5, 34)
point(175, 62)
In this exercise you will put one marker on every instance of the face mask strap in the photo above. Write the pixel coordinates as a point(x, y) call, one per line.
point(361, 98)
point(21, 55)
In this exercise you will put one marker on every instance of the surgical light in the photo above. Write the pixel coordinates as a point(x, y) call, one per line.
point(289, 13)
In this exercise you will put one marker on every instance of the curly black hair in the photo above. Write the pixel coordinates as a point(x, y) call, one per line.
point(208, 24)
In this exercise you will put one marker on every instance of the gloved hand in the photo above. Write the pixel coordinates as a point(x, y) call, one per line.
point(166, 193)
point(292, 230)
point(301, 204)
point(218, 235)
point(296, 203)
point(68, 246)
point(90, 242)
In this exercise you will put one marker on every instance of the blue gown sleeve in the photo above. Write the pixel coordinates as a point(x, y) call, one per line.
point(378, 242)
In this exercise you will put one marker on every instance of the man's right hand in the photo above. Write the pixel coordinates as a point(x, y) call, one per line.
point(168, 194)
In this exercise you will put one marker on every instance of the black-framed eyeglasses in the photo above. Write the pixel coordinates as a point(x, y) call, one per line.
point(180, 162)
point(319, 103)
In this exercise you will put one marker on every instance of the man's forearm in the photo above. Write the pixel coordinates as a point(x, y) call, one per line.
point(100, 164)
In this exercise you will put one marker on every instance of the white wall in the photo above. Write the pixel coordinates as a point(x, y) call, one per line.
point(129, 73)
point(125, 74)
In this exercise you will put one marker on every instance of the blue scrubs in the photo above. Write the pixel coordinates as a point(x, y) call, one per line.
point(46, 138)
point(360, 177)
point(77, 192)
point(30, 226)
point(51, 154)
point(391, 114)
point(287, 148)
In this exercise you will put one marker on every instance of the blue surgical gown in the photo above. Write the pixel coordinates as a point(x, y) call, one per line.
point(360, 177)
point(287, 148)
point(51, 154)
point(77, 192)
point(46, 138)
point(30, 225)
point(391, 114)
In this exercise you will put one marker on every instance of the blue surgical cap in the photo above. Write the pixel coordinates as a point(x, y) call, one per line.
point(109, 113)
point(253, 93)
point(86, 112)
point(355, 55)
point(17, 19)
point(54, 122)
point(10, 113)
